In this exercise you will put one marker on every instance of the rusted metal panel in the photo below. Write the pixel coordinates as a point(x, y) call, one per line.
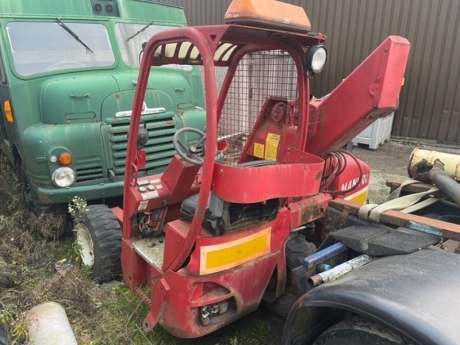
point(396, 218)
point(430, 99)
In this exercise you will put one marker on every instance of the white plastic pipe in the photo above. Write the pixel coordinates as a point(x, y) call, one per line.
point(48, 325)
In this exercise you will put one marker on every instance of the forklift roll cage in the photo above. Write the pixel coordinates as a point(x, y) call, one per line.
point(200, 46)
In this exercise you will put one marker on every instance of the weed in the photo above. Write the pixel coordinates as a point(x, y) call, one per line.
point(234, 341)
point(76, 209)
point(76, 250)
point(17, 325)
point(18, 328)
point(6, 316)
point(86, 270)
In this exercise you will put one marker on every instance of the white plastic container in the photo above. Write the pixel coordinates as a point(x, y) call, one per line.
point(376, 134)
point(48, 325)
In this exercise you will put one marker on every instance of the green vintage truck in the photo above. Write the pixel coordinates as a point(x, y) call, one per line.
point(68, 70)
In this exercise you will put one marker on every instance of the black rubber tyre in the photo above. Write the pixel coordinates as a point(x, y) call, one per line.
point(5, 281)
point(30, 197)
point(3, 334)
point(105, 237)
point(33, 204)
point(358, 330)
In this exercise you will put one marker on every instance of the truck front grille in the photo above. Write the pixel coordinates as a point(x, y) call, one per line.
point(89, 174)
point(159, 148)
point(88, 169)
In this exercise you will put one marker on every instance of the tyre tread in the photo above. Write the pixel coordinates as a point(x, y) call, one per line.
point(356, 324)
point(106, 233)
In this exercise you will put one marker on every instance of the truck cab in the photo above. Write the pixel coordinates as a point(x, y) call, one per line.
point(68, 72)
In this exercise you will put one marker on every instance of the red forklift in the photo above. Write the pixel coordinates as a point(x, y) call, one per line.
point(240, 217)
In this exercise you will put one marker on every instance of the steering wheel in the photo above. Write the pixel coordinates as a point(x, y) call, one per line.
point(64, 64)
point(189, 154)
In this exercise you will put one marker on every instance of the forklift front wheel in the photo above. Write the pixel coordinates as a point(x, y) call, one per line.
point(358, 330)
point(99, 239)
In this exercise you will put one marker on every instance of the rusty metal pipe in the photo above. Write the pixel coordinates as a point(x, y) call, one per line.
point(449, 187)
point(340, 270)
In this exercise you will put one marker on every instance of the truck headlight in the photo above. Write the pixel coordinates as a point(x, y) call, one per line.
point(63, 177)
point(315, 58)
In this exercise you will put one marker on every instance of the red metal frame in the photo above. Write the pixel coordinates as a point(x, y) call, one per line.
point(369, 92)
point(184, 284)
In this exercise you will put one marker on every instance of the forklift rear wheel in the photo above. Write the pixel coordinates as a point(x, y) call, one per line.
point(99, 237)
point(358, 330)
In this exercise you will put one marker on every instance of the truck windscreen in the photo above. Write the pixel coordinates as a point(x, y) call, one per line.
point(39, 47)
point(130, 38)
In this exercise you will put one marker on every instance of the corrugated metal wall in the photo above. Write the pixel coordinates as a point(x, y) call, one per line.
point(430, 98)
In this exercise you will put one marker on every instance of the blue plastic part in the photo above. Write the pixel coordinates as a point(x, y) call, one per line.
point(323, 268)
point(323, 255)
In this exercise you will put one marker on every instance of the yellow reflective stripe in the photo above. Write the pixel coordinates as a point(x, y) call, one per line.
point(227, 255)
point(359, 197)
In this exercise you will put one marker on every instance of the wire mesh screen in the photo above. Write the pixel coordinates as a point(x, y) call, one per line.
point(258, 76)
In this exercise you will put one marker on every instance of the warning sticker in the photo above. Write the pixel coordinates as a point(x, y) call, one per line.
point(150, 195)
point(258, 150)
point(142, 205)
point(272, 146)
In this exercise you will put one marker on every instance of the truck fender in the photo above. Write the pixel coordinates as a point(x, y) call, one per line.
point(416, 295)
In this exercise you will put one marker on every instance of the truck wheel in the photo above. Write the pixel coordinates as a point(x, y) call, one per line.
point(99, 237)
point(31, 200)
point(358, 330)
point(30, 197)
